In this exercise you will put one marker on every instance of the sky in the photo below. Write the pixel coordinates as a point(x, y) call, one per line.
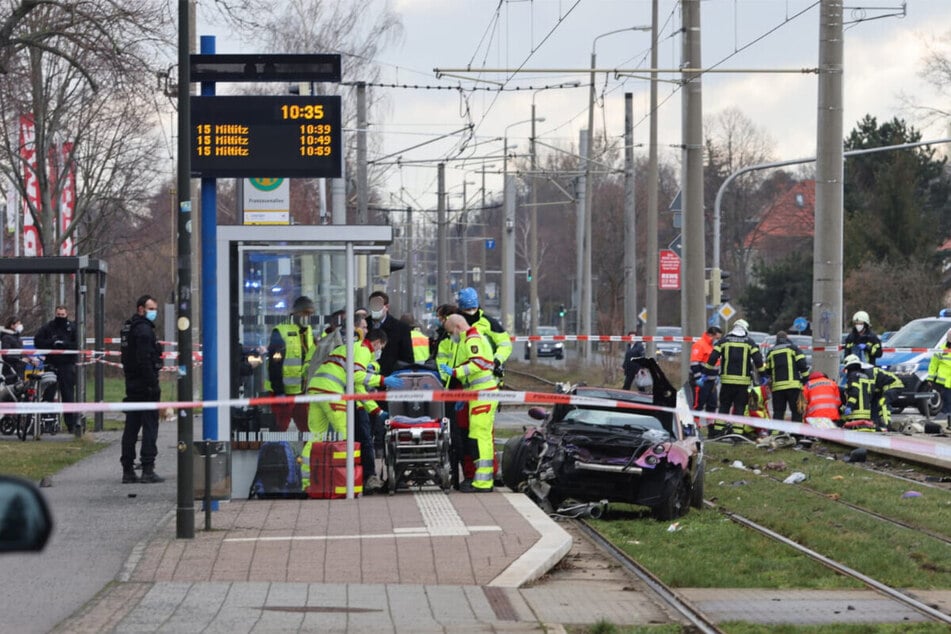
point(883, 58)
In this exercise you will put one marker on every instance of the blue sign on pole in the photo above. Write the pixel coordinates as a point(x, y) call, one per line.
point(489, 243)
point(800, 324)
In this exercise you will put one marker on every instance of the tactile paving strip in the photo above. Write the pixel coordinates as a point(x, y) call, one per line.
point(438, 514)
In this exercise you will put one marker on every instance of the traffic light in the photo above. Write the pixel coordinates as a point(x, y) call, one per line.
point(528, 274)
point(562, 311)
point(718, 285)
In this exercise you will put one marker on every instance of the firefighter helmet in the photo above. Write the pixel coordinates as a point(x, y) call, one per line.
point(861, 316)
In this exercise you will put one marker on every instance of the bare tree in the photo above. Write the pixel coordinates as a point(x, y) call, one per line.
point(79, 83)
point(734, 142)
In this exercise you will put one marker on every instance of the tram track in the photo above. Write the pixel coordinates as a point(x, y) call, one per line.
point(884, 589)
point(693, 615)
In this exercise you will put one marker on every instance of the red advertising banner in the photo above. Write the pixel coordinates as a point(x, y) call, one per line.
point(31, 201)
point(669, 278)
point(67, 198)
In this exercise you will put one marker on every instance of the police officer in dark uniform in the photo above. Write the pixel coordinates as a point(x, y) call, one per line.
point(738, 355)
point(141, 361)
point(60, 334)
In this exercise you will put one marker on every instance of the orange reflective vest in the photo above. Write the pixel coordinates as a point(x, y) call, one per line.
point(822, 397)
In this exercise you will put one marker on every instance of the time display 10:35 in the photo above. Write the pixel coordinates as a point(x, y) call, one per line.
point(307, 111)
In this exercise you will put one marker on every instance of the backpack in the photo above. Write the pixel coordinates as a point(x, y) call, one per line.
point(277, 474)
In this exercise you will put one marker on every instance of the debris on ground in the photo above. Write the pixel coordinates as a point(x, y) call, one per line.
point(795, 478)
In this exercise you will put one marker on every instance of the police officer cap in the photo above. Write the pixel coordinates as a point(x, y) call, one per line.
point(467, 298)
point(852, 360)
point(303, 303)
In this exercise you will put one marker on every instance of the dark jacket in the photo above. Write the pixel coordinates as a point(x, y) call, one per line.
point(13, 365)
point(142, 360)
point(865, 345)
point(634, 358)
point(58, 334)
point(399, 343)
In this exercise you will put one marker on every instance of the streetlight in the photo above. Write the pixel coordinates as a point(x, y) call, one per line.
point(584, 309)
point(508, 234)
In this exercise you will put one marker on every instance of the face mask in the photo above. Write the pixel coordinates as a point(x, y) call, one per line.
point(377, 314)
point(377, 354)
point(19, 328)
point(859, 327)
point(60, 321)
point(455, 338)
point(302, 320)
point(151, 315)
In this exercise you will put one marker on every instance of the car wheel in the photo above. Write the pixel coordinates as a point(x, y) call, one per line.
point(696, 490)
point(515, 461)
point(930, 407)
point(8, 425)
point(676, 497)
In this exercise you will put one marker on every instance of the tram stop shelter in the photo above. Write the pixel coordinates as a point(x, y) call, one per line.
point(261, 270)
point(83, 269)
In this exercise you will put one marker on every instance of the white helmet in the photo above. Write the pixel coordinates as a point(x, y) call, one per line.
point(861, 316)
point(742, 323)
point(851, 360)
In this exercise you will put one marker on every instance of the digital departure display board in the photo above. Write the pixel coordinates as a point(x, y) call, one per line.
point(246, 137)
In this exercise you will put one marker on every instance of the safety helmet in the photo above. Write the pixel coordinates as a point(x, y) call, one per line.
point(467, 298)
point(303, 303)
point(851, 360)
point(742, 323)
point(861, 316)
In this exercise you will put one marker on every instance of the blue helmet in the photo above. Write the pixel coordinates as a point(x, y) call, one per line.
point(467, 298)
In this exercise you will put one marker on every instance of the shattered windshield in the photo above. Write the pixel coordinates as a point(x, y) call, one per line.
point(613, 418)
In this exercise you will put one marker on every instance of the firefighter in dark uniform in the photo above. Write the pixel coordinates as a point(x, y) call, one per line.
point(859, 386)
point(785, 367)
point(738, 356)
point(885, 388)
point(861, 341)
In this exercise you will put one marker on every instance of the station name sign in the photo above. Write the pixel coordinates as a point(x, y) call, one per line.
point(266, 136)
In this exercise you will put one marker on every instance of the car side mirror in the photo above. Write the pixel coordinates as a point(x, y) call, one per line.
point(25, 520)
point(538, 413)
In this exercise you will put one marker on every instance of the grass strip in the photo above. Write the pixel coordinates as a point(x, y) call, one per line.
point(34, 460)
point(897, 556)
point(848, 482)
point(706, 550)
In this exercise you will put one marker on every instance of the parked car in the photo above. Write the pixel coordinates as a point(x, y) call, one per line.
point(669, 350)
point(803, 342)
point(547, 348)
point(925, 335)
point(598, 450)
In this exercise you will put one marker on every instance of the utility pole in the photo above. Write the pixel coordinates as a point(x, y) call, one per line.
point(580, 236)
point(362, 193)
point(442, 270)
point(410, 300)
point(185, 512)
point(534, 308)
point(652, 249)
point(630, 221)
point(827, 259)
point(693, 303)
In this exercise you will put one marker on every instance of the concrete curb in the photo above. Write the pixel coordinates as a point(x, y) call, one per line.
point(552, 546)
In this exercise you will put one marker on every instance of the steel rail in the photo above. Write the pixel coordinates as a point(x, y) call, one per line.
point(878, 586)
point(693, 614)
point(869, 512)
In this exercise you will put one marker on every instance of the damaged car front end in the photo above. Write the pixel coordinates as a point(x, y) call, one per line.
point(611, 444)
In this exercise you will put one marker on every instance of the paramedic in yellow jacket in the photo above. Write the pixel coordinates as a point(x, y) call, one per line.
point(472, 365)
point(331, 378)
point(289, 351)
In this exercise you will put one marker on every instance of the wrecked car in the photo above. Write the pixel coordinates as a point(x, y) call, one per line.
point(609, 444)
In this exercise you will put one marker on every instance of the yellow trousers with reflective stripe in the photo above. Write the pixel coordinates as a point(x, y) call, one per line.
point(481, 424)
point(322, 416)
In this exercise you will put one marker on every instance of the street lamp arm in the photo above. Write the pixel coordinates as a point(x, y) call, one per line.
point(761, 166)
point(630, 28)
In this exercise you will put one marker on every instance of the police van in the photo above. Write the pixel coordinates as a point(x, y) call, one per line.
point(916, 342)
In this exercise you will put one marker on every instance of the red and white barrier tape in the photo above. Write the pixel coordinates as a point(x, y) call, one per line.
point(868, 439)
